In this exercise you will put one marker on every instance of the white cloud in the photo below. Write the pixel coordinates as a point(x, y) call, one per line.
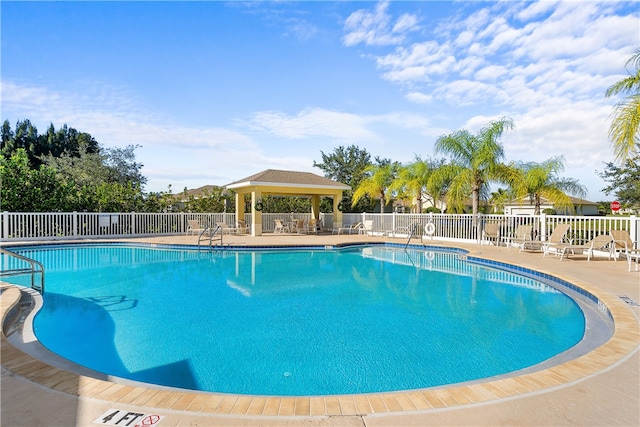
point(536, 9)
point(419, 98)
point(172, 155)
point(375, 28)
point(314, 122)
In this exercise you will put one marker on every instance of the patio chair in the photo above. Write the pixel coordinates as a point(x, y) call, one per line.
point(521, 238)
point(367, 227)
point(243, 227)
point(601, 242)
point(491, 232)
point(280, 227)
point(298, 226)
point(556, 238)
point(312, 226)
point(194, 227)
point(350, 229)
point(624, 246)
point(226, 229)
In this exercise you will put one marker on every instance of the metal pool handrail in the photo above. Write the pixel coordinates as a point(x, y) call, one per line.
point(216, 229)
point(36, 267)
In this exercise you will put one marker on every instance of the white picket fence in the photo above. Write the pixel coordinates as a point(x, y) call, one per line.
point(20, 226)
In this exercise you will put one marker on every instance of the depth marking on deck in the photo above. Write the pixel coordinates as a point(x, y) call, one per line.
point(121, 417)
point(628, 300)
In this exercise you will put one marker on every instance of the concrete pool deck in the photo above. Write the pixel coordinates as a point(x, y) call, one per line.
point(599, 388)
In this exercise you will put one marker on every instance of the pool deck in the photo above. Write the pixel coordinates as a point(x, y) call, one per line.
point(601, 388)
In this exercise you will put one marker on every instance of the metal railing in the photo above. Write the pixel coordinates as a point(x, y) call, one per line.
point(12, 265)
point(211, 233)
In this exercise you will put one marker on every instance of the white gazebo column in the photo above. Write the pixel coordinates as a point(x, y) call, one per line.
point(337, 213)
point(256, 215)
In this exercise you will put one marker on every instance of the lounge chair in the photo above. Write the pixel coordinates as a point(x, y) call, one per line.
point(491, 232)
point(601, 242)
point(280, 227)
point(194, 227)
point(521, 238)
point(625, 246)
point(556, 238)
point(350, 229)
point(226, 229)
point(367, 227)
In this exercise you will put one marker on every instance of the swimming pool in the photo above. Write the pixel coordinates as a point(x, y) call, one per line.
point(303, 322)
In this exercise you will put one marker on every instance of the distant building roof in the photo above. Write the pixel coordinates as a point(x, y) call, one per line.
point(196, 192)
point(281, 178)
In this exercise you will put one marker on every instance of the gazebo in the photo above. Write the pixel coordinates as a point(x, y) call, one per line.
point(286, 183)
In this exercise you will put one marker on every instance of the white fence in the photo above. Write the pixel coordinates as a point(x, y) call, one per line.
point(17, 226)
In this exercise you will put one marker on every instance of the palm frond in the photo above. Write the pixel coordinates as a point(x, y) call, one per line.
point(623, 132)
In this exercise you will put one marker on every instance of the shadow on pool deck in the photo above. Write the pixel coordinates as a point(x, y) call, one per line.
point(601, 388)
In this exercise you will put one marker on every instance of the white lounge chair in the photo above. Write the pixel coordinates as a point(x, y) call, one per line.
point(226, 229)
point(350, 229)
point(367, 227)
point(601, 242)
point(521, 238)
point(625, 247)
point(280, 227)
point(194, 227)
point(557, 237)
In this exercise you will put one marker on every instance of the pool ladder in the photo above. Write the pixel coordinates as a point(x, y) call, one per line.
point(413, 231)
point(34, 268)
point(212, 233)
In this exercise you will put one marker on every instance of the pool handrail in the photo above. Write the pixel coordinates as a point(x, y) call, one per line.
point(33, 270)
point(211, 231)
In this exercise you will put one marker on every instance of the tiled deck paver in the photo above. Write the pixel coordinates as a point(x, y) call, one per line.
point(598, 388)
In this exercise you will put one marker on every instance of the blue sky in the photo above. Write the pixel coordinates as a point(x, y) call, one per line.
point(217, 91)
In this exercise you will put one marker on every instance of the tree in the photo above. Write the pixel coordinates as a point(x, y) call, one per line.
point(122, 165)
point(623, 132)
point(499, 198)
point(30, 190)
point(624, 181)
point(541, 180)
point(209, 200)
point(475, 163)
point(377, 183)
point(52, 143)
point(413, 180)
point(347, 165)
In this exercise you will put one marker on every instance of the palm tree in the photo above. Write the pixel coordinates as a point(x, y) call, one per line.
point(377, 183)
point(498, 199)
point(541, 180)
point(413, 179)
point(626, 115)
point(475, 163)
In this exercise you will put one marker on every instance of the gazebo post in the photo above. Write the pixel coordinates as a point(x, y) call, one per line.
point(239, 207)
point(337, 213)
point(256, 215)
point(315, 206)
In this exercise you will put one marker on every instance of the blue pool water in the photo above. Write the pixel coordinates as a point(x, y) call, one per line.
point(300, 322)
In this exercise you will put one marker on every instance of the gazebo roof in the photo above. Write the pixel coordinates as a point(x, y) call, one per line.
point(288, 179)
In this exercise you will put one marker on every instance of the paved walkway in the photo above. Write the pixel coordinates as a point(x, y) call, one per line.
point(601, 388)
